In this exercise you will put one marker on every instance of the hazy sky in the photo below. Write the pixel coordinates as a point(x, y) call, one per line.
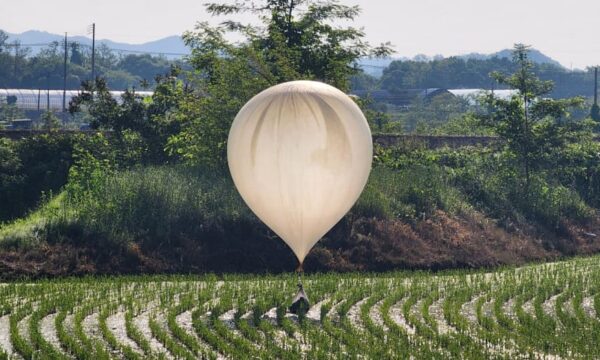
point(563, 30)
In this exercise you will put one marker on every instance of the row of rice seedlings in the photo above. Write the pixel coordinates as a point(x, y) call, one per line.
point(175, 348)
point(119, 347)
point(186, 303)
point(21, 345)
point(41, 346)
point(136, 335)
point(495, 334)
point(388, 345)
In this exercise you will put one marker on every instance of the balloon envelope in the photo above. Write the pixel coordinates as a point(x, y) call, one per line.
point(300, 155)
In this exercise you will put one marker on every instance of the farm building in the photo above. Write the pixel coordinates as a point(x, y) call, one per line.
point(402, 97)
point(472, 94)
point(406, 97)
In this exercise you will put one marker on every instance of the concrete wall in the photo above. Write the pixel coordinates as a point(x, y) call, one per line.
point(432, 141)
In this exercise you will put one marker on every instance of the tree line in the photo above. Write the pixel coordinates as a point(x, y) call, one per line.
point(22, 69)
point(471, 73)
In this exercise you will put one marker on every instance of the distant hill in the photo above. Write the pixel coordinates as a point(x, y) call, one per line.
point(375, 67)
point(535, 55)
point(171, 46)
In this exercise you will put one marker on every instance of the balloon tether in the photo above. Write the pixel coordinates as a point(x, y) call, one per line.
point(300, 272)
point(300, 303)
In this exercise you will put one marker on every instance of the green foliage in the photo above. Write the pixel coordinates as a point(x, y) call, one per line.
point(465, 125)
point(9, 112)
point(377, 116)
point(152, 205)
point(492, 188)
point(595, 112)
point(147, 121)
point(93, 159)
point(530, 125)
point(44, 70)
point(408, 193)
point(295, 41)
point(50, 121)
point(434, 112)
point(11, 176)
point(144, 66)
point(29, 168)
point(457, 73)
point(577, 166)
point(455, 179)
point(35, 228)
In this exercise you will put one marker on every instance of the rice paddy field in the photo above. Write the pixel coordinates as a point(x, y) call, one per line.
point(546, 311)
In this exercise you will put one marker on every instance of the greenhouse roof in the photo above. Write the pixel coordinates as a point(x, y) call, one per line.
point(30, 99)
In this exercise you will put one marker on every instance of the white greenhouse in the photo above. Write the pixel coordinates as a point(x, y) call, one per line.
point(473, 94)
point(28, 99)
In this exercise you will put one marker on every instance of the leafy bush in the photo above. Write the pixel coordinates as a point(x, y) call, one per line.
point(29, 168)
point(407, 193)
point(491, 184)
point(155, 205)
point(486, 179)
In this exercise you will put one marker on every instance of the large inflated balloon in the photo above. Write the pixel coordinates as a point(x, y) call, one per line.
point(300, 155)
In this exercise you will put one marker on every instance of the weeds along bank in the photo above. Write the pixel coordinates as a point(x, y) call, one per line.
point(441, 208)
point(547, 311)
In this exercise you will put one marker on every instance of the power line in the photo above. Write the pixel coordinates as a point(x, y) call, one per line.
point(149, 52)
point(90, 46)
point(31, 45)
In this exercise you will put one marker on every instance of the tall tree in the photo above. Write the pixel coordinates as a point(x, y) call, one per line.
point(3, 38)
point(150, 119)
point(595, 112)
point(76, 56)
point(529, 122)
point(296, 39)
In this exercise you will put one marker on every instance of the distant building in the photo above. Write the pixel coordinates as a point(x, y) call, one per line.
point(21, 124)
point(40, 100)
point(400, 97)
point(473, 94)
point(406, 97)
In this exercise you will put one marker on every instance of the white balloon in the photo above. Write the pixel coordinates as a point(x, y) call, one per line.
point(300, 155)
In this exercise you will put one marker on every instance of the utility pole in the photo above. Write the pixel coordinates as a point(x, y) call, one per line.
point(94, 52)
point(17, 44)
point(596, 85)
point(64, 105)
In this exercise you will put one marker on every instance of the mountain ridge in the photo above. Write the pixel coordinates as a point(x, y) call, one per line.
point(170, 46)
point(173, 47)
point(375, 66)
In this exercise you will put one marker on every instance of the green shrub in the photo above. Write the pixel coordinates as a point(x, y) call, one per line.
point(156, 204)
point(29, 168)
point(491, 184)
point(408, 193)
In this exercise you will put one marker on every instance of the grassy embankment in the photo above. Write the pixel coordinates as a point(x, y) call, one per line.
point(421, 209)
